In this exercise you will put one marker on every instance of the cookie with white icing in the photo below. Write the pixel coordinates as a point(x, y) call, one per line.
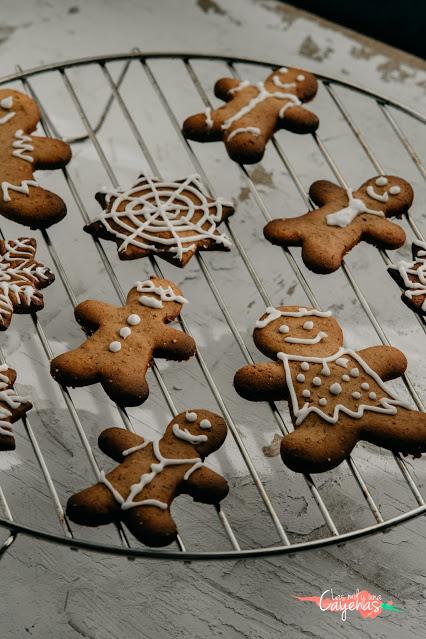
point(336, 395)
point(21, 278)
point(254, 111)
point(22, 199)
point(140, 491)
point(343, 219)
point(170, 219)
point(12, 407)
point(123, 340)
point(411, 277)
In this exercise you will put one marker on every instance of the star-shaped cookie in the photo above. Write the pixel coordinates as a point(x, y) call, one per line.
point(172, 220)
point(21, 277)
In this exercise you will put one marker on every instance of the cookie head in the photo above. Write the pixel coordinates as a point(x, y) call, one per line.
point(290, 80)
point(18, 111)
point(159, 295)
point(202, 429)
point(387, 193)
point(297, 331)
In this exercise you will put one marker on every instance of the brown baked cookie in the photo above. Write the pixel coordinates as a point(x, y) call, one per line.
point(22, 199)
point(344, 219)
point(411, 277)
point(140, 491)
point(21, 278)
point(254, 112)
point(12, 407)
point(172, 220)
point(336, 395)
point(123, 340)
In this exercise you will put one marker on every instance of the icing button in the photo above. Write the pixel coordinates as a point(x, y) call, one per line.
point(304, 366)
point(372, 396)
point(300, 377)
point(354, 372)
point(133, 319)
point(356, 395)
point(316, 381)
point(306, 393)
point(335, 389)
point(322, 401)
point(114, 347)
point(365, 386)
point(345, 378)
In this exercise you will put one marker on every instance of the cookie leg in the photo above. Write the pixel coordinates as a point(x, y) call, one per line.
point(404, 432)
point(151, 525)
point(317, 448)
point(245, 147)
point(128, 388)
point(93, 506)
point(39, 210)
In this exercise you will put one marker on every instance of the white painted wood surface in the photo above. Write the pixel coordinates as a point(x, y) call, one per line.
point(47, 589)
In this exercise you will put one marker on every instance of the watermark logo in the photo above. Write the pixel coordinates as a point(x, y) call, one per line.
point(368, 605)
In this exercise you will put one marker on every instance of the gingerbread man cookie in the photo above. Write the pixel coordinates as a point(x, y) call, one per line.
point(22, 199)
point(336, 395)
point(344, 219)
point(173, 220)
point(12, 407)
point(411, 277)
point(123, 340)
point(254, 112)
point(21, 278)
point(140, 491)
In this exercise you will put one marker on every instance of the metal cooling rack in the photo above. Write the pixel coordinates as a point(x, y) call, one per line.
point(112, 71)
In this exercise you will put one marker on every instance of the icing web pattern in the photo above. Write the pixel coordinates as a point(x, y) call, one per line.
point(176, 215)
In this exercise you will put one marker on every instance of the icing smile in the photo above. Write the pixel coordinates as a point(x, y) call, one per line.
point(306, 340)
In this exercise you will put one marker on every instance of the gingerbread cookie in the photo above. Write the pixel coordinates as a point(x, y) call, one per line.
point(22, 199)
point(411, 277)
point(172, 220)
point(344, 219)
point(336, 395)
point(21, 278)
point(141, 490)
point(12, 407)
point(123, 340)
point(254, 112)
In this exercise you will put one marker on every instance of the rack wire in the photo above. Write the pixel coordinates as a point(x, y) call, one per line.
point(234, 537)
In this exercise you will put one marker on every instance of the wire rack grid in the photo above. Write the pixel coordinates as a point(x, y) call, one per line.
point(175, 85)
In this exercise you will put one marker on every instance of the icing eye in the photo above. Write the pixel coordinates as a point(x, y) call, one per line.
point(394, 190)
point(284, 328)
point(191, 417)
point(6, 103)
point(308, 326)
point(283, 70)
point(381, 181)
point(300, 78)
point(205, 424)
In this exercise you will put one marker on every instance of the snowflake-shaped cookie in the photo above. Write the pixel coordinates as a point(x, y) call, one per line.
point(173, 220)
point(21, 277)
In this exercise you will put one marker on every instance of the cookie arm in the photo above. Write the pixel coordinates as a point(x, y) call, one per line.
point(206, 486)
point(284, 231)
point(378, 230)
point(299, 120)
point(174, 344)
point(223, 87)
point(261, 382)
point(388, 362)
point(91, 313)
point(50, 153)
point(322, 192)
point(113, 441)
